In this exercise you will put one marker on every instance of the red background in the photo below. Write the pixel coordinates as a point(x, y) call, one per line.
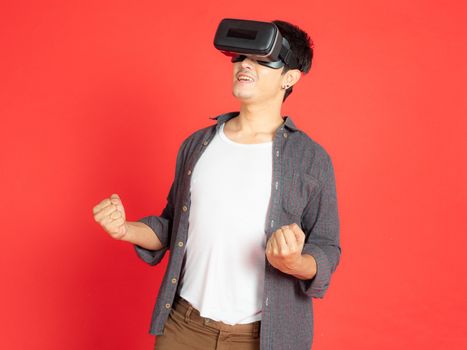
point(96, 97)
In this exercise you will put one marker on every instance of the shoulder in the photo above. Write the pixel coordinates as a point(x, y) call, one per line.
point(315, 160)
point(196, 137)
point(205, 133)
point(313, 149)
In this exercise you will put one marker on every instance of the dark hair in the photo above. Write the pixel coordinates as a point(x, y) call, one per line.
point(300, 44)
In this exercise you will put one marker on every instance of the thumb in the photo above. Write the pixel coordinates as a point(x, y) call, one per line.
point(115, 199)
point(123, 229)
point(299, 235)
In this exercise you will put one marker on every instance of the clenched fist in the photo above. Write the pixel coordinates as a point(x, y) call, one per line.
point(110, 214)
point(284, 248)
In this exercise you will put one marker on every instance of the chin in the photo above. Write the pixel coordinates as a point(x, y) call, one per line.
point(242, 95)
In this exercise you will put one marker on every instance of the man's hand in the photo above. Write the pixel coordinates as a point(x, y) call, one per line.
point(110, 214)
point(284, 248)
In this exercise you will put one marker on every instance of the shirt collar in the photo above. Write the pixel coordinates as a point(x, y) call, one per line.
point(222, 118)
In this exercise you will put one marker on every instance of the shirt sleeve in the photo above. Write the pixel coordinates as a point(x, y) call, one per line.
point(162, 225)
point(320, 223)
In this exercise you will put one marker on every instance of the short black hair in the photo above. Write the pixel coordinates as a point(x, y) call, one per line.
point(300, 44)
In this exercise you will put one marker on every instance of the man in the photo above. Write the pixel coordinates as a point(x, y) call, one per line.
point(251, 222)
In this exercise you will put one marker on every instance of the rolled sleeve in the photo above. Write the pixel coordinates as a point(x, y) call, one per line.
point(161, 226)
point(320, 222)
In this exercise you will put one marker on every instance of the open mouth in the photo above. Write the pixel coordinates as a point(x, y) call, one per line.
point(244, 78)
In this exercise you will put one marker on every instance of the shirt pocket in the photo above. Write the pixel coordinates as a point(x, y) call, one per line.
point(297, 190)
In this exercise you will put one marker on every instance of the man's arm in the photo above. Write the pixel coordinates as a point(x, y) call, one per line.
point(306, 268)
point(142, 235)
point(284, 252)
point(110, 214)
point(311, 252)
point(321, 225)
point(152, 249)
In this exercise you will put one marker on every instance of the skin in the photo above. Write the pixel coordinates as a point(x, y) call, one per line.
point(110, 214)
point(260, 101)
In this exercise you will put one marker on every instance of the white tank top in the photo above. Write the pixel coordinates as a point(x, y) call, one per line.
point(223, 275)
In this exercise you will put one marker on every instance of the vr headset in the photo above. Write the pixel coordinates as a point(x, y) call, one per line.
point(260, 41)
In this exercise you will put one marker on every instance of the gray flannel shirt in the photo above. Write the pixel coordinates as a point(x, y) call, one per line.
point(303, 192)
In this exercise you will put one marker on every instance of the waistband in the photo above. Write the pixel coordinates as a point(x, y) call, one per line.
point(189, 312)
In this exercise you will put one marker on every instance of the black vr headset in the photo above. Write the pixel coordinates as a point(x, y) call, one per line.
point(260, 41)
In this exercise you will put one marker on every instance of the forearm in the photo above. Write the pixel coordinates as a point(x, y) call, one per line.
point(142, 235)
point(306, 268)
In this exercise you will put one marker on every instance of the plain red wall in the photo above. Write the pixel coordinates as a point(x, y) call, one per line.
point(96, 97)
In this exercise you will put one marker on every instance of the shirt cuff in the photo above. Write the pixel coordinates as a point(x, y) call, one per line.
point(159, 225)
point(316, 286)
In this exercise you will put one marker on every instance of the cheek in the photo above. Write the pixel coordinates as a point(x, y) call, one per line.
point(235, 69)
point(271, 78)
point(271, 83)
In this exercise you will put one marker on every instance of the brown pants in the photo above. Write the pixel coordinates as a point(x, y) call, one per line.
point(185, 329)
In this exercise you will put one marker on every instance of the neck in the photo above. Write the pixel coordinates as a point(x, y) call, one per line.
point(254, 119)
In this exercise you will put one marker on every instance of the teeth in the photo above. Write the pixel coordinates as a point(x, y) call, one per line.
point(245, 78)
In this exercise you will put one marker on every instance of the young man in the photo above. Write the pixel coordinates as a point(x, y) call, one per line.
point(251, 222)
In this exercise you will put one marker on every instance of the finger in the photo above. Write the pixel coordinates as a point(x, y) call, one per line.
point(120, 208)
point(299, 234)
point(106, 221)
point(116, 223)
point(105, 212)
point(291, 239)
point(115, 198)
point(101, 206)
point(274, 246)
point(115, 227)
point(281, 242)
point(115, 215)
point(268, 247)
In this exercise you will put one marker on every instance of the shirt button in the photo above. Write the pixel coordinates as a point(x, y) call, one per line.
point(277, 153)
point(277, 184)
point(189, 172)
point(285, 134)
point(184, 208)
point(174, 280)
point(167, 306)
point(205, 143)
point(180, 244)
point(272, 223)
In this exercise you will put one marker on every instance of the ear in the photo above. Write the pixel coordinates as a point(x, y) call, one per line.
point(291, 77)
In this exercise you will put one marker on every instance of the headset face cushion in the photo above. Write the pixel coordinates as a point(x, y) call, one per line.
point(274, 64)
